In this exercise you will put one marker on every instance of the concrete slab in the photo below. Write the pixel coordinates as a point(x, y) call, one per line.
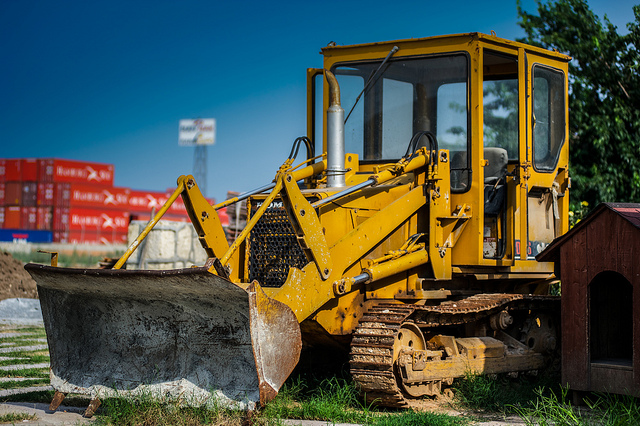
point(8, 335)
point(297, 422)
point(31, 348)
point(20, 391)
point(24, 366)
point(10, 358)
point(20, 379)
point(64, 415)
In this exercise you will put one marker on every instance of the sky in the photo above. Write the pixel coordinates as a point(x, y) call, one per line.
point(108, 81)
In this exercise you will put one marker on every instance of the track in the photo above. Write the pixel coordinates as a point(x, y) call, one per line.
point(372, 358)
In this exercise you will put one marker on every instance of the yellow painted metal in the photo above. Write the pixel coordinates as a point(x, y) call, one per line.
point(295, 176)
point(150, 225)
point(204, 217)
point(439, 211)
point(54, 256)
point(346, 251)
point(306, 225)
point(404, 263)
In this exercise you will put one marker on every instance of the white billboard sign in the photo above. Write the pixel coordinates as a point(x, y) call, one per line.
point(201, 131)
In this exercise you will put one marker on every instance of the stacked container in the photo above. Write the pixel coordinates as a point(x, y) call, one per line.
point(72, 202)
point(18, 201)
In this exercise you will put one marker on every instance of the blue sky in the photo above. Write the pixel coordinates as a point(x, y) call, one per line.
point(108, 81)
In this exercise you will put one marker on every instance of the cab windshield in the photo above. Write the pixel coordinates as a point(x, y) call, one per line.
point(407, 95)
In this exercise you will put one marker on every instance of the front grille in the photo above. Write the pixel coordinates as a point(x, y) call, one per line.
point(273, 247)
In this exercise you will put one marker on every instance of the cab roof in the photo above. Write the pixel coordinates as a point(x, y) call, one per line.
point(441, 40)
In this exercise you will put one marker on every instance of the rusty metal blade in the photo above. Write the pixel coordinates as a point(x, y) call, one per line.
point(183, 333)
point(272, 329)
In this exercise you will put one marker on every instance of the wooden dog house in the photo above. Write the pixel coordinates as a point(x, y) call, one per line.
point(598, 263)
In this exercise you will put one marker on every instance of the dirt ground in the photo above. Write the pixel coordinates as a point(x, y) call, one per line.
point(14, 280)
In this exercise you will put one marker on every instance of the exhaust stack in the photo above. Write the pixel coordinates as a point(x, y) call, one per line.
point(335, 135)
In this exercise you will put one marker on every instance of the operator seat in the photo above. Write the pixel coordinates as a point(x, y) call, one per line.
point(495, 188)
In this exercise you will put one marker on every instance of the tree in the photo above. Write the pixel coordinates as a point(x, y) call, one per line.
point(604, 96)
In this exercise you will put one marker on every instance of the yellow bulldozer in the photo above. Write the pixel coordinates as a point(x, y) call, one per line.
point(436, 170)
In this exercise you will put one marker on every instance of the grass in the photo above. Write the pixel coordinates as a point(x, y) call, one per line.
point(542, 401)
point(332, 399)
point(607, 410)
point(17, 417)
point(148, 411)
point(37, 376)
point(500, 394)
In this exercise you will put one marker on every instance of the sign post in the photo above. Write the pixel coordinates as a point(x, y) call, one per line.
point(198, 132)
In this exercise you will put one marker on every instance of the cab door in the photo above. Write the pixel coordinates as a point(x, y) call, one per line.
point(546, 167)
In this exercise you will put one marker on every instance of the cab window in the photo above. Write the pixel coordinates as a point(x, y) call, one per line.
point(548, 117)
point(406, 96)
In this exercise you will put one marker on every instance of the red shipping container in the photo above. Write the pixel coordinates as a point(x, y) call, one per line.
point(45, 193)
point(29, 170)
point(60, 236)
point(13, 193)
point(60, 219)
point(2, 191)
point(1, 217)
point(29, 218)
point(12, 217)
point(10, 170)
point(77, 237)
point(62, 194)
point(29, 194)
point(146, 201)
point(44, 219)
point(53, 194)
point(147, 217)
point(98, 220)
point(94, 196)
point(57, 170)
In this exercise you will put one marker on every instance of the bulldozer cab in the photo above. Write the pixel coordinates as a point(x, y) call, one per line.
point(499, 107)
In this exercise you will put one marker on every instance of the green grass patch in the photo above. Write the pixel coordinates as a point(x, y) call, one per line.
point(44, 381)
point(17, 417)
point(145, 410)
point(26, 372)
point(331, 399)
point(553, 408)
point(338, 400)
point(501, 393)
point(23, 358)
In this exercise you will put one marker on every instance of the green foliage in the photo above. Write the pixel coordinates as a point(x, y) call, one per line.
point(501, 114)
point(501, 393)
point(577, 213)
point(604, 96)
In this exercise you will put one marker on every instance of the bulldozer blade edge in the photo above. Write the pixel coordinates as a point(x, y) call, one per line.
point(184, 334)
